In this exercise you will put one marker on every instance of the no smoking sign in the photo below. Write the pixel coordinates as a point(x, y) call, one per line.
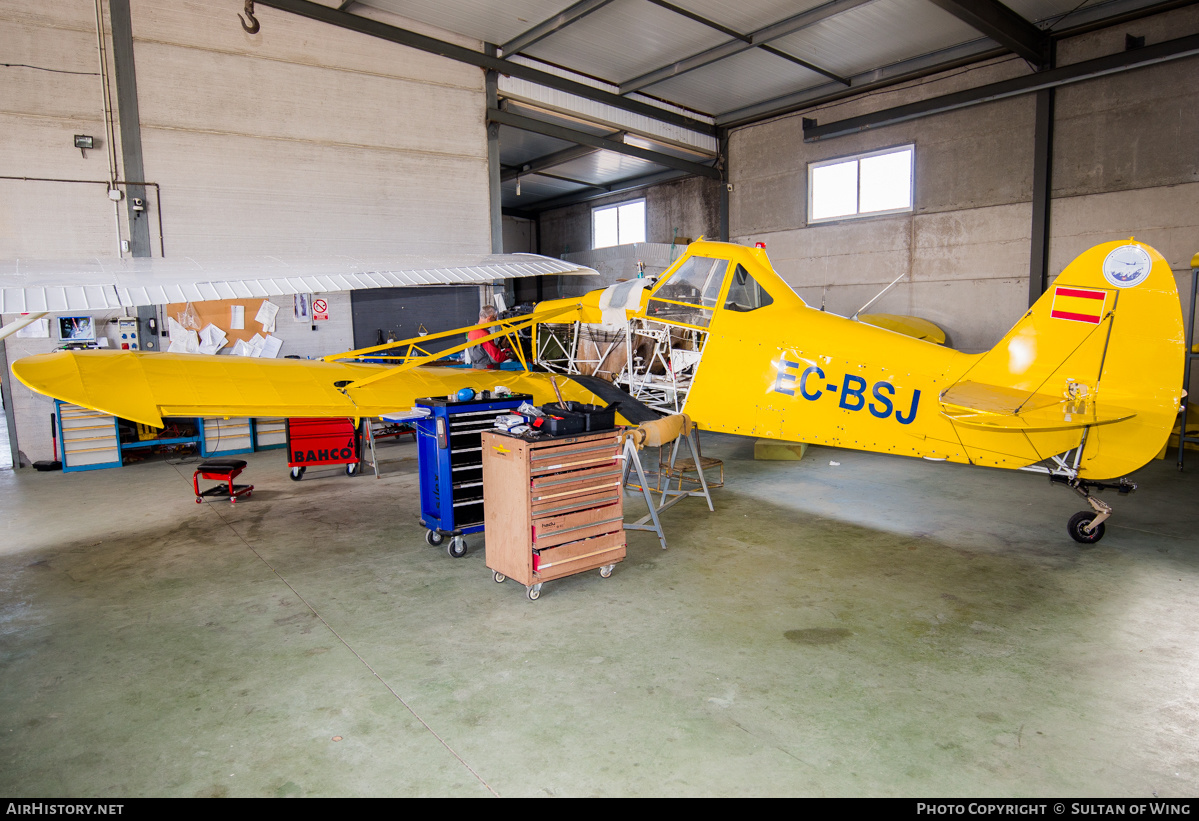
point(320, 309)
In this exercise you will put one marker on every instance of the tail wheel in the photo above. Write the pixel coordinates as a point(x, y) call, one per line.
point(1077, 528)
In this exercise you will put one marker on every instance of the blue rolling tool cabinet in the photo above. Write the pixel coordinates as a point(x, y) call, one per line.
point(450, 456)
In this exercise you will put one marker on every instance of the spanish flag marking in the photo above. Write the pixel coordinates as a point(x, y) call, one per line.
point(1078, 304)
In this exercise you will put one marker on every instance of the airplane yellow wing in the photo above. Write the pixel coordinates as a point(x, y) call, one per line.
point(912, 326)
point(145, 387)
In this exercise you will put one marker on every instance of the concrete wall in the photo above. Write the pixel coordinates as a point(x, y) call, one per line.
point(303, 138)
point(1124, 165)
point(520, 236)
point(686, 208)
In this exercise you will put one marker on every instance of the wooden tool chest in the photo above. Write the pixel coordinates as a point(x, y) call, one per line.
point(553, 507)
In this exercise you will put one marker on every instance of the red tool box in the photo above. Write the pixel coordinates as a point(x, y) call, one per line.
point(322, 442)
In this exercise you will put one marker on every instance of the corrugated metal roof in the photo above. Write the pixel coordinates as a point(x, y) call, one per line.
point(746, 18)
point(606, 167)
point(535, 188)
point(744, 78)
point(877, 35)
point(483, 20)
point(713, 59)
point(625, 39)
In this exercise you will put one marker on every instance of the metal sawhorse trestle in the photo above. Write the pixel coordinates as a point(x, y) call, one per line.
point(655, 434)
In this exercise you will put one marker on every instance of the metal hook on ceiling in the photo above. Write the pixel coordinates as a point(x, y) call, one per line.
point(253, 26)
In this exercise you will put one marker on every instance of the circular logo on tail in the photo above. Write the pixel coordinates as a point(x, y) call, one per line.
point(1127, 266)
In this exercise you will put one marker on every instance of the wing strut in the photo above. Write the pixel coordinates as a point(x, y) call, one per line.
point(416, 355)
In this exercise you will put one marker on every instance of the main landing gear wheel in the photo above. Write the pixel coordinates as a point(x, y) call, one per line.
point(1077, 528)
point(297, 473)
point(433, 538)
point(457, 547)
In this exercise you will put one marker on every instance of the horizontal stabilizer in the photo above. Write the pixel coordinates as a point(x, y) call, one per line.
point(994, 407)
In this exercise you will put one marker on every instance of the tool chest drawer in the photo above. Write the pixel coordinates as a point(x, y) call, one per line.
point(593, 521)
point(88, 439)
point(575, 557)
point(554, 507)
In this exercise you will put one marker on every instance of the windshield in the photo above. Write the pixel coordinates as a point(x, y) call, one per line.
point(690, 294)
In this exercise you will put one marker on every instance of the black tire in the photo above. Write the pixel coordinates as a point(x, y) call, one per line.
point(351, 468)
point(456, 548)
point(433, 538)
point(297, 474)
point(1078, 522)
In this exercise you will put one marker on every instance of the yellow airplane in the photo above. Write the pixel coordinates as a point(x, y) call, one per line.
point(1085, 388)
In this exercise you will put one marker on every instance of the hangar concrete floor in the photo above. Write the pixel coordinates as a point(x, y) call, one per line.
point(882, 627)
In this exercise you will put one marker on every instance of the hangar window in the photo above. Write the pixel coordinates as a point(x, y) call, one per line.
point(618, 224)
point(862, 186)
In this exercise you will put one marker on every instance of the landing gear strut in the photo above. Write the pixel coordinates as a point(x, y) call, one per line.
point(1086, 527)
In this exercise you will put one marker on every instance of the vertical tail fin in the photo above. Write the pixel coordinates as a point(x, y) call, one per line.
point(1097, 360)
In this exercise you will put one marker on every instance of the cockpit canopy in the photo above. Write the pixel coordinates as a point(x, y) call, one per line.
point(691, 293)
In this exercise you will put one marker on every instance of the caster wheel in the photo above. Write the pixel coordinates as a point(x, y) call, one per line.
point(456, 548)
point(1077, 525)
point(232, 500)
point(499, 577)
point(198, 500)
point(606, 571)
point(351, 468)
point(297, 474)
point(433, 538)
point(534, 594)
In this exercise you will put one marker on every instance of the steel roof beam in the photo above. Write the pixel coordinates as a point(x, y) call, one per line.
point(1050, 78)
point(690, 15)
point(404, 37)
point(502, 117)
point(546, 161)
point(596, 185)
point(556, 23)
point(616, 188)
point(758, 38)
point(1004, 26)
point(904, 71)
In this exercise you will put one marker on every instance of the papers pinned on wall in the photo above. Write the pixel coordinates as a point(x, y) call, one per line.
point(38, 329)
point(212, 339)
point(258, 347)
point(183, 340)
point(237, 317)
point(266, 316)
